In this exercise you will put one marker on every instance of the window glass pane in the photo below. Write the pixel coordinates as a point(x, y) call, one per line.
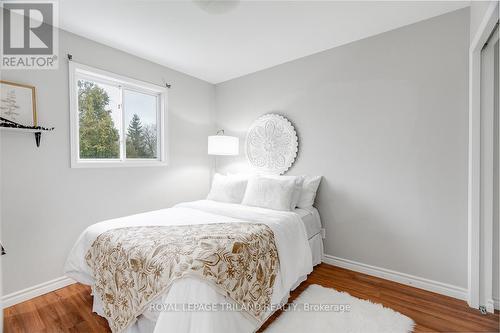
point(99, 120)
point(140, 124)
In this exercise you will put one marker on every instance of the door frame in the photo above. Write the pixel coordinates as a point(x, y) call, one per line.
point(474, 177)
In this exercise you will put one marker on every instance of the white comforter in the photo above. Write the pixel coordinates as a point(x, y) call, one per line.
point(291, 241)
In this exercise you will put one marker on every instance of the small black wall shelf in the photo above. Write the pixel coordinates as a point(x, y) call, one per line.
point(37, 132)
point(8, 125)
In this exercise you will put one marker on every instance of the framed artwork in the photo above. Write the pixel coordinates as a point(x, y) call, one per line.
point(18, 103)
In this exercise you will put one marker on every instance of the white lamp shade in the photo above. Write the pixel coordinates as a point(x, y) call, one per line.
point(223, 145)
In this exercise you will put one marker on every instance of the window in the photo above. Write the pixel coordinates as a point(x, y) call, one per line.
point(115, 121)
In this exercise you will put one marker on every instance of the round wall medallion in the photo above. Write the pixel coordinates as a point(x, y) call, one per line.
point(272, 144)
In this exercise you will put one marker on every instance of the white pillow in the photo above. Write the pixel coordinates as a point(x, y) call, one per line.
point(227, 188)
point(272, 193)
point(308, 193)
point(299, 180)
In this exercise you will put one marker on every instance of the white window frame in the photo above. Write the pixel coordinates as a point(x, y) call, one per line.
point(77, 71)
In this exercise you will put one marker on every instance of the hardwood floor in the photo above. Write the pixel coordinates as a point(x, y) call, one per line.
point(70, 309)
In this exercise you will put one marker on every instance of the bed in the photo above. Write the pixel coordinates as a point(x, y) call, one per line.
point(298, 241)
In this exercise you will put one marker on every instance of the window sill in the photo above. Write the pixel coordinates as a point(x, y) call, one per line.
point(117, 164)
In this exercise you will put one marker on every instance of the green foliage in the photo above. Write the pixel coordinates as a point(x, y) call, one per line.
point(135, 138)
point(98, 136)
point(141, 140)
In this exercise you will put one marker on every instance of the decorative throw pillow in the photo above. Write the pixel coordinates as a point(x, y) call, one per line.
point(227, 188)
point(308, 193)
point(272, 193)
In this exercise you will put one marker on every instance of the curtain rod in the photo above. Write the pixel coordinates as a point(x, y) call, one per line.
point(70, 58)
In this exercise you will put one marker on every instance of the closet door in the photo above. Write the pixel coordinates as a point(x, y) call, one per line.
point(496, 176)
point(489, 172)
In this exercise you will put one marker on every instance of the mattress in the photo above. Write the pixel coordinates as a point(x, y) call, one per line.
point(310, 218)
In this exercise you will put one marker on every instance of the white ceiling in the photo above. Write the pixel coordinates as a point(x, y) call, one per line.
point(219, 41)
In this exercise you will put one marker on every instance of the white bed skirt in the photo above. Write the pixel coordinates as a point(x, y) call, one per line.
point(316, 244)
point(199, 292)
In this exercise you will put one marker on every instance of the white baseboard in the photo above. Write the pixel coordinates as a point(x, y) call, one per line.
point(32, 292)
point(496, 303)
point(490, 305)
point(403, 278)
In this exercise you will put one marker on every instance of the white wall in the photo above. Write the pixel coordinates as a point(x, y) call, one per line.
point(46, 204)
point(384, 120)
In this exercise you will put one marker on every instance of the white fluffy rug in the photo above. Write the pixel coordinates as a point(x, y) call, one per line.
point(340, 313)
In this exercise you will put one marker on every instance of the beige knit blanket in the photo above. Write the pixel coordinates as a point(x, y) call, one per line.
point(133, 266)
